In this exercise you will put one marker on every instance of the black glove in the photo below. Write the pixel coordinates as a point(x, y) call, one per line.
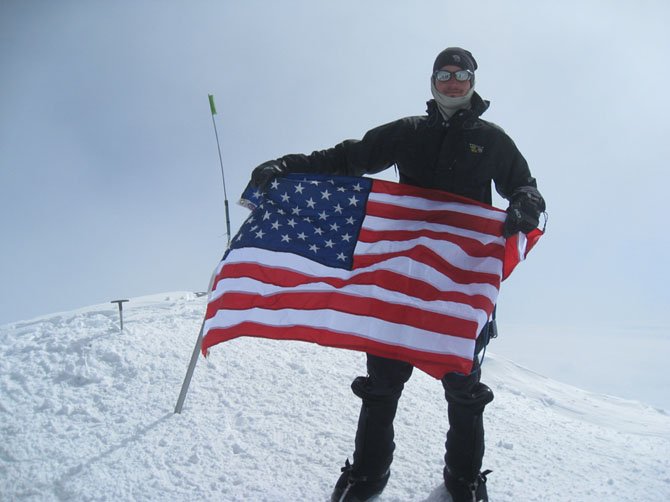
point(523, 214)
point(266, 172)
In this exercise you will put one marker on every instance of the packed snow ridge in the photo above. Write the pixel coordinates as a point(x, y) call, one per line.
point(86, 413)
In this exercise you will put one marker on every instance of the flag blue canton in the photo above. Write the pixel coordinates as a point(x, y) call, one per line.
point(318, 217)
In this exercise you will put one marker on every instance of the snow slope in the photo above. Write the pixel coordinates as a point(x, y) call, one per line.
point(86, 413)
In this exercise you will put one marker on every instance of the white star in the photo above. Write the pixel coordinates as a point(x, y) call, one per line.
point(260, 234)
point(310, 203)
point(257, 194)
point(299, 188)
point(314, 248)
point(323, 215)
point(353, 201)
point(302, 236)
point(346, 237)
point(276, 225)
point(318, 231)
point(350, 220)
point(281, 211)
point(266, 216)
point(340, 256)
point(274, 184)
point(338, 209)
point(307, 219)
point(285, 238)
point(314, 182)
point(357, 187)
point(326, 194)
point(329, 243)
point(285, 197)
point(291, 223)
point(341, 189)
point(296, 210)
point(334, 227)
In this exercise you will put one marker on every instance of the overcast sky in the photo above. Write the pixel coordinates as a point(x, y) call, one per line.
point(110, 185)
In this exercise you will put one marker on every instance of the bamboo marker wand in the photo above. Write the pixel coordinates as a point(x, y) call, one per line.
point(212, 108)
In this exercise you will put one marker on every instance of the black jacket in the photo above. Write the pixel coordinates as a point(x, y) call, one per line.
point(461, 156)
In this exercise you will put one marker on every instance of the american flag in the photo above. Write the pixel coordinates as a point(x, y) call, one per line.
point(369, 265)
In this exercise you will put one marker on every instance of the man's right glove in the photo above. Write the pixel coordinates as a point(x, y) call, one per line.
point(523, 214)
point(266, 172)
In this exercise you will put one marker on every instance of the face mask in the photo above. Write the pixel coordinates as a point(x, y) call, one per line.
point(449, 105)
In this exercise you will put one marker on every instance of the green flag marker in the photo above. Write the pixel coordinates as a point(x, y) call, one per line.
point(212, 106)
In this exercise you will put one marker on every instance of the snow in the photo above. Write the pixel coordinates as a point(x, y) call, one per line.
point(86, 413)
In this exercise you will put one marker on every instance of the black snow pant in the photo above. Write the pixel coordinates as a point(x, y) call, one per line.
point(380, 391)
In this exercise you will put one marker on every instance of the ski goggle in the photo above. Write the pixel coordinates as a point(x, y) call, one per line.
point(461, 75)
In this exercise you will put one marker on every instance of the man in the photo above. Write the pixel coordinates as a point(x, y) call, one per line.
point(452, 149)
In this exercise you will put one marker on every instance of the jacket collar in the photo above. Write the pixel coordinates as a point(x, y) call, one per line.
point(477, 107)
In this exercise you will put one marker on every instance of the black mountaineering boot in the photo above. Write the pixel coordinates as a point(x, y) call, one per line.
point(462, 490)
point(352, 488)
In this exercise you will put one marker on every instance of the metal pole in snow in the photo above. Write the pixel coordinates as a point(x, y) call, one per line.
point(120, 302)
point(189, 371)
point(194, 358)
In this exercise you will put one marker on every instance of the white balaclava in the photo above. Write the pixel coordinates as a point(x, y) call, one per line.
point(448, 105)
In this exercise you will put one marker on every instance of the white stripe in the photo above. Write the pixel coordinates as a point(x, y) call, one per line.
point(394, 299)
point(364, 327)
point(403, 265)
point(522, 243)
point(286, 261)
point(379, 223)
point(413, 202)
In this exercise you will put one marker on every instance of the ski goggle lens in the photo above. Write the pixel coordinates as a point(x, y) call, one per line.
point(444, 75)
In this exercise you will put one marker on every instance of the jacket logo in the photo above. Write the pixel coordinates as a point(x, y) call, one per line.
point(476, 148)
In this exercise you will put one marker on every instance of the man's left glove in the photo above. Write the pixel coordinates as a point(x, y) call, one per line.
point(523, 214)
point(266, 172)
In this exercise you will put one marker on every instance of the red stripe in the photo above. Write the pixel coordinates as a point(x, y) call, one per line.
point(443, 217)
point(383, 278)
point(433, 364)
point(368, 307)
point(392, 188)
point(472, 247)
point(512, 258)
point(429, 257)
